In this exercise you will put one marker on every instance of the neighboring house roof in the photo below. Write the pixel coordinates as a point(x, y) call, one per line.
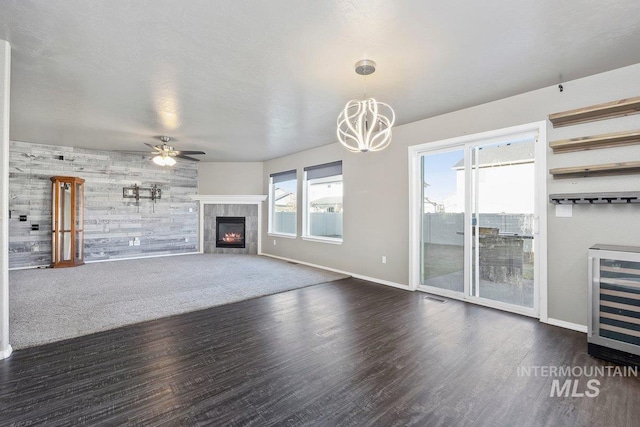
point(328, 201)
point(281, 196)
point(506, 154)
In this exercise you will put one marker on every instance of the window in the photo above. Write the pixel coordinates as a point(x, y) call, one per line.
point(283, 201)
point(323, 202)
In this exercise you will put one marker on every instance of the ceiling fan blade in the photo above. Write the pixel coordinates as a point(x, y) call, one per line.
point(180, 152)
point(181, 156)
point(131, 151)
point(154, 147)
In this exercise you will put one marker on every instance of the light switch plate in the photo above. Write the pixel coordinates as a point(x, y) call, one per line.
point(564, 211)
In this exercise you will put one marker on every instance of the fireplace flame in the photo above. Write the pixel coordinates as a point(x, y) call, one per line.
point(232, 237)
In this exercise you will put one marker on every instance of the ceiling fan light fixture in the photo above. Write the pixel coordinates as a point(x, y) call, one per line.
point(158, 160)
point(163, 155)
point(365, 125)
point(163, 160)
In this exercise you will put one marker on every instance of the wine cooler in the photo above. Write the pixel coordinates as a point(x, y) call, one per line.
point(614, 304)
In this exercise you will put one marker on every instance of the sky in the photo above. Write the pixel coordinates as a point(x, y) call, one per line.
point(440, 175)
point(288, 186)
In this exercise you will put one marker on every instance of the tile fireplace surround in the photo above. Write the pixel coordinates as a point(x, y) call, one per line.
point(248, 206)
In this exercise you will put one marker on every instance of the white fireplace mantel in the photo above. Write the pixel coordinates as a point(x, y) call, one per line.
point(240, 199)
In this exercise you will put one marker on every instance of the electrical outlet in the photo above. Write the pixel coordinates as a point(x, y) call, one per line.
point(136, 242)
point(384, 259)
point(186, 240)
point(274, 242)
point(130, 242)
point(35, 248)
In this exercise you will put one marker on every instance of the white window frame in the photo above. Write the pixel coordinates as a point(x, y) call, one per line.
point(306, 212)
point(272, 205)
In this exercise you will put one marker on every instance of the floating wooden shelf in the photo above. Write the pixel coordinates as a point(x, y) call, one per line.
point(623, 168)
point(607, 140)
point(623, 107)
point(620, 197)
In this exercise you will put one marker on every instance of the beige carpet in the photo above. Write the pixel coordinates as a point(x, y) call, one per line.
point(49, 305)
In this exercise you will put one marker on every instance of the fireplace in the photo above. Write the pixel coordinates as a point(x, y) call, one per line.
point(230, 232)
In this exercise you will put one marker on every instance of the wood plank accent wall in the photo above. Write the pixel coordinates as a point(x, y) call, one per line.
point(111, 221)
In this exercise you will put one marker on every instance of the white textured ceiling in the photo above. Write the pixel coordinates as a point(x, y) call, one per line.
point(254, 80)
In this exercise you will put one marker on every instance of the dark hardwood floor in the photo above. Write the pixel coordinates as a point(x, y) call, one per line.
point(342, 353)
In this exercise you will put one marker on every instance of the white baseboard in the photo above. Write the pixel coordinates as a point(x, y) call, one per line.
point(6, 353)
point(380, 281)
point(108, 260)
point(30, 267)
point(567, 325)
point(357, 276)
point(140, 257)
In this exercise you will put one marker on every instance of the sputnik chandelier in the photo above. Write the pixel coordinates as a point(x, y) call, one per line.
point(365, 125)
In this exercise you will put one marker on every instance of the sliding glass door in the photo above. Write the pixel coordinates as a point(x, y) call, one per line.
point(502, 217)
point(443, 201)
point(478, 221)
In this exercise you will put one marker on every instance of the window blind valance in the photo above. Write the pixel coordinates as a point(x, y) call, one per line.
point(324, 170)
point(283, 176)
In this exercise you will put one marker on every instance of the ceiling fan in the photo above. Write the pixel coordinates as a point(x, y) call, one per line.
point(164, 154)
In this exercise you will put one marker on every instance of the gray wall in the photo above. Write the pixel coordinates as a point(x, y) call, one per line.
point(375, 196)
point(220, 178)
point(111, 221)
point(376, 189)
